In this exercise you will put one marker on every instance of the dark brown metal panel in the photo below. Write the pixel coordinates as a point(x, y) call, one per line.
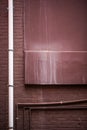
point(55, 25)
point(55, 41)
point(74, 68)
point(35, 25)
point(67, 25)
point(55, 68)
point(43, 68)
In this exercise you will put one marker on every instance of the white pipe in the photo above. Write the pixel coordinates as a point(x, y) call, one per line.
point(10, 65)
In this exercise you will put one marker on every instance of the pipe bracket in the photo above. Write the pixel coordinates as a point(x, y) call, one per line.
point(10, 85)
point(10, 50)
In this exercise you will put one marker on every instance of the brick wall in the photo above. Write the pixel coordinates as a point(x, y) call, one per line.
point(3, 64)
point(34, 93)
point(53, 120)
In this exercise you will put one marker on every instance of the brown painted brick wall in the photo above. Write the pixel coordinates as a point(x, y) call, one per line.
point(53, 120)
point(28, 94)
point(62, 120)
point(3, 65)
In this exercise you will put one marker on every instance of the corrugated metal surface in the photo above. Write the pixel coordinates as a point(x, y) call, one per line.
point(56, 26)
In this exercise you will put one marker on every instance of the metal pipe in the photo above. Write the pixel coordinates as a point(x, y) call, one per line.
point(10, 66)
point(54, 103)
point(50, 51)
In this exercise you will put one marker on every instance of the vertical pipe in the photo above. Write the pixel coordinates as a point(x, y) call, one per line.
point(23, 117)
point(10, 65)
point(29, 118)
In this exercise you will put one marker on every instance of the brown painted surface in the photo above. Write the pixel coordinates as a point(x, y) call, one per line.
point(59, 25)
point(53, 120)
point(55, 41)
point(3, 65)
point(75, 120)
point(46, 67)
point(41, 120)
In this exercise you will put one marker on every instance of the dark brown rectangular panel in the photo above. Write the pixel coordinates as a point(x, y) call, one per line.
point(67, 25)
point(56, 25)
point(55, 41)
point(55, 67)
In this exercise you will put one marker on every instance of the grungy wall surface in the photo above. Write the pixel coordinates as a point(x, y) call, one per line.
point(41, 120)
point(55, 41)
point(3, 64)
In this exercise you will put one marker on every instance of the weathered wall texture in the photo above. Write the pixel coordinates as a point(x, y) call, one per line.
point(3, 64)
point(72, 120)
point(41, 120)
